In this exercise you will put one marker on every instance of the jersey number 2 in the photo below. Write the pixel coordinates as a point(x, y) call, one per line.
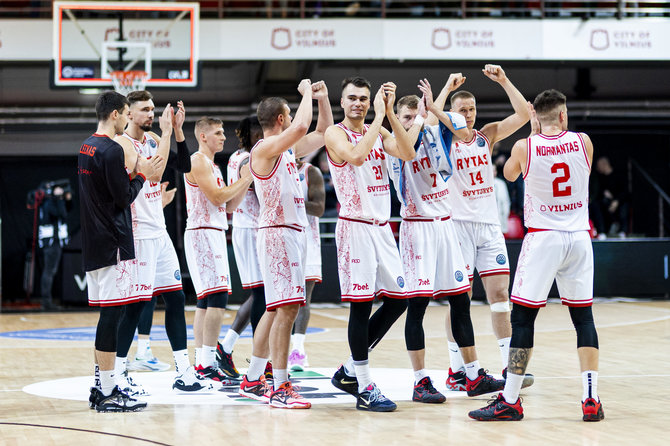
point(556, 184)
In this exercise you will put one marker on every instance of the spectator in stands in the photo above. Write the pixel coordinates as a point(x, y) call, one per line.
point(610, 201)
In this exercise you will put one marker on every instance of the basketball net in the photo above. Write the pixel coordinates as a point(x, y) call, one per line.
point(126, 81)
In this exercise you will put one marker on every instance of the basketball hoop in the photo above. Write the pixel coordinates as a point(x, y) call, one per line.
point(127, 81)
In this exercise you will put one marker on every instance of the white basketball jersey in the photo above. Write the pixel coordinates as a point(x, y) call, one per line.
point(202, 213)
point(363, 191)
point(422, 189)
point(246, 213)
point(312, 230)
point(557, 183)
point(147, 208)
point(279, 193)
point(471, 185)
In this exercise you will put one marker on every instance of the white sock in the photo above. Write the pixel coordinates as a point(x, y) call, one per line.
point(96, 377)
point(590, 385)
point(230, 340)
point(504, 350)
point(120, 365)
point(349, 366)
point(198, 356)
point(419, 375)
point(455, 358)
point(472, 370)
point(512, 387)
point(256, 368)
point(208, 356)
point(299, 342)
point(279, 377)
point(363, 374)
point(143, 348)
point(107, 382)
point(181, 361)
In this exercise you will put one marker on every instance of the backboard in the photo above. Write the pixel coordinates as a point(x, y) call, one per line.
point(93, 39)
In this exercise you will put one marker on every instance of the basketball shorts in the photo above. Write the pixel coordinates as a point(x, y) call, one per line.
point(548, 255)
point(432, 260)
point(246, 258)
point(282, 253)
point(368, 262)
point(207, 260)
point(112, 285)
point(483, 247)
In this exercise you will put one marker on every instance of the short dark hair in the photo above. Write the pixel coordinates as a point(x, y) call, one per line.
point(410, 101)
point(462, 94)
point(107, 102)
point(138, 96)
point(547, 102)
point(245, 131)
point(356, 81)
point(202, 123)
point(268, 110)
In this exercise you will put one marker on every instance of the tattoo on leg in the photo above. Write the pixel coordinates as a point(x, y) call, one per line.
point(518, 360)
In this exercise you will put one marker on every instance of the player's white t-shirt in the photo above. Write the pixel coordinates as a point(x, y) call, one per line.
point(471, 186)
point(147, 208)
point(246, 213)
point(279, 193)
point(363, 191)
point(202, 213)
point(557, 183)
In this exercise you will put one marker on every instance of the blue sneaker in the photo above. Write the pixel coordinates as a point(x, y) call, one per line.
point(372, 399)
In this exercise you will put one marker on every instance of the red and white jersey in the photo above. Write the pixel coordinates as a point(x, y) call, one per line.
point(312, 229)
point(471, 184)
point(202, 213)
point(246, 213)
point(147, 208)
point(557, 183)
point(279, 193)
point(363, 191)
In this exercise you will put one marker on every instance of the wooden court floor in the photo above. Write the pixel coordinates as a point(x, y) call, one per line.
point(633, 385)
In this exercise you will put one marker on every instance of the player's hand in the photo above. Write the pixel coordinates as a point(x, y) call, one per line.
point(389, 96)
point(165, 121)
point(179, 117)
point(427, 91)
point(423, 111)
point(319, 90)
point(304, 86)
point(149, 167)
point(167, 196)
point(455, 81)
point(535, 126)
point(379, 102)
point(494, 72)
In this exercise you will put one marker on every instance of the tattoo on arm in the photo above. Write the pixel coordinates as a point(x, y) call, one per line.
point(518, 360)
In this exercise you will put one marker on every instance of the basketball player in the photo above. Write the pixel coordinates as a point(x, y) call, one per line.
point(158, 267)
point(281, 243)
point(311, 181)
point(556, 165)
point(368, 261)
point(208, 199)
point(107, 240)
point(475, 213)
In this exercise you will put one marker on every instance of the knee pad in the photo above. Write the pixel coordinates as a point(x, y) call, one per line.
point(414, 333)
point(500, 307)
point(582, 319)
point(461, 324)
point(523, 326)
point(106, 331)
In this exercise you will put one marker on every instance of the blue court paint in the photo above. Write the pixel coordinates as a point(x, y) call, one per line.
point(88, 333)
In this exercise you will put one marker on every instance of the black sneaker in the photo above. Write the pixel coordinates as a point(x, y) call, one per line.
point(95, 395)
point(215, 374)
point(372, 399)
point(345, 382)
point(499, 410)
point(225, 361)
point(118, 401)
point(456, 380)
point(424, 392)
point(484, 383)
point(528, 379)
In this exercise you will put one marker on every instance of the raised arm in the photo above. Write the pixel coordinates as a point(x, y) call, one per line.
point(340, 149)
point(414, 131)
point(163, 151)
point(499, 130)
point(455, 81)
point(315, 140)
point(181, 160)
point(516, 164)
point(316, 194)
point(437, 110)
point(201, 173)
point(398, 144)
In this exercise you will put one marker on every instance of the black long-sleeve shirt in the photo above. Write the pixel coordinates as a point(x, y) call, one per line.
point(105, 196)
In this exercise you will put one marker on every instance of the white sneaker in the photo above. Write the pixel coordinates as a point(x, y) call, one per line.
point(127, 385)
point(148, 364)
point(191, 382)
point(297, 361)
